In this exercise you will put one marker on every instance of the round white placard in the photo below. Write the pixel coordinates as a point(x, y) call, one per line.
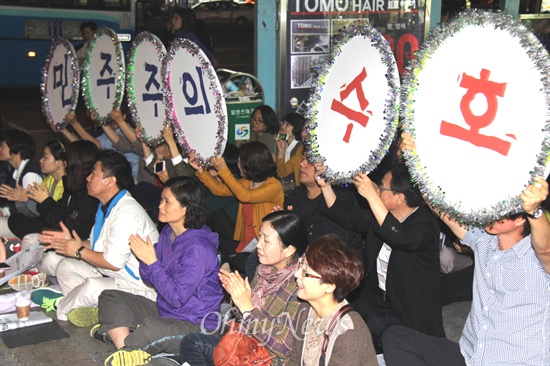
point(60, 82)
point(104, 73)
point(144, 86)
point(352, 117)
point(477, 104)
point(196, 106)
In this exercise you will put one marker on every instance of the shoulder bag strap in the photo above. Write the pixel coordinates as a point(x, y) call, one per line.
point(343, 311)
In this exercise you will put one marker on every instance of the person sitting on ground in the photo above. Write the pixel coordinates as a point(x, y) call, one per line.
point(401, 256)
point(268, 305)
point(457, 268)
point(17, 148)
point(222, 210)
point(308, 202)
point(124, 139)
point(265, 126)
point(52, 165)
point(258, 193)
point(328, 272)
point(510, 313)
point(76, 209)
point(182, 267)
point(454, 256)
point(290, 150)
point(176, 165)
point(105, 261)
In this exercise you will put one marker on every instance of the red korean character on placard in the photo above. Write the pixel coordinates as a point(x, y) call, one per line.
point(491, 90)
point(355, 116)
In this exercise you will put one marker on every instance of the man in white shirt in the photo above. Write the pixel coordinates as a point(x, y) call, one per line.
point(105, 261)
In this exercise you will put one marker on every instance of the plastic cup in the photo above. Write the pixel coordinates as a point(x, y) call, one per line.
point(23, 308)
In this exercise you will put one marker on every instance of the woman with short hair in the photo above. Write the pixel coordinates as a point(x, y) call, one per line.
point(264, 126)
point(328, 272)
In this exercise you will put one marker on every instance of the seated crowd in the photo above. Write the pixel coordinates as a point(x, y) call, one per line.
point(156, 263)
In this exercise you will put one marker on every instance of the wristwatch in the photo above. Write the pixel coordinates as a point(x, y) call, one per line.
point(78, 253)
point(536, 214)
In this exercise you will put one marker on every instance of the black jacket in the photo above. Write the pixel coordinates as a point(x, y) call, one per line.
point(311, 210)
point(412, 281)
point(76, 209)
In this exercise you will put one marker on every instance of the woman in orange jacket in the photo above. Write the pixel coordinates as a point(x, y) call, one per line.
point(258, 193)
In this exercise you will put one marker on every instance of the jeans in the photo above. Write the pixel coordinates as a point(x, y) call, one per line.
point(197, 349)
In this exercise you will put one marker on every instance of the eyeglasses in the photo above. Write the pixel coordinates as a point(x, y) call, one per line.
point(256, 120)
point(304, 273)
point(385, 189)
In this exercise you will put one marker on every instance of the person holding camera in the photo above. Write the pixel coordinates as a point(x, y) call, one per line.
point(290, 150)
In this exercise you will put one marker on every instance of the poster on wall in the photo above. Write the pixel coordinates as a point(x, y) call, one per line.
point(312, 25)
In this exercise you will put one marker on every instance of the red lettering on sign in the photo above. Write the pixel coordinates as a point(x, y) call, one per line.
point(355, 116)
point(490, 90)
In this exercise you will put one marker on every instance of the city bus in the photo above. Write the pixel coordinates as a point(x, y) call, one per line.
point(29, 26)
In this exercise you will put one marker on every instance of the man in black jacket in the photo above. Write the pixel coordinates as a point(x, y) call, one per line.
point(307, 201)
point(401, 256)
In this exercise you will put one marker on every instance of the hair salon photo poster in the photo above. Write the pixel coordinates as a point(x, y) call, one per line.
point(312, 25)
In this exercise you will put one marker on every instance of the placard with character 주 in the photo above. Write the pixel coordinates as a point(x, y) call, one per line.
point(353, 106)
point(144, 86)
point(477, 102)
point(60, 82)
point(104, 74)
point(194, 99)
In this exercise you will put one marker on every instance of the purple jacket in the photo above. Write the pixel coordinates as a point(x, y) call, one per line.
point(186, 276)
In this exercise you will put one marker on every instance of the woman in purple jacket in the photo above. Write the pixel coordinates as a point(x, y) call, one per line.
point(182, 267)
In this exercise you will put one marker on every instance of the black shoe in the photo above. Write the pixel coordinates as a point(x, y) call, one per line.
point(102, 337)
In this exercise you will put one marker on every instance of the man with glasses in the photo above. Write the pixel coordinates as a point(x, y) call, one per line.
point(401, 256)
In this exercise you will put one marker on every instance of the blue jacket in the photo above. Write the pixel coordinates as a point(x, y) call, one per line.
point(186, 276)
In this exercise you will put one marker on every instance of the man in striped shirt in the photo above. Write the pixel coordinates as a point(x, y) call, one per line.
point(509, 323)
